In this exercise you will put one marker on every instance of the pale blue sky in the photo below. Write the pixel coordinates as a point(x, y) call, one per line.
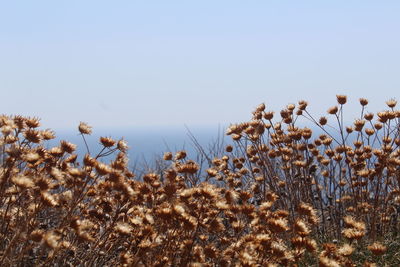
point(137, 63)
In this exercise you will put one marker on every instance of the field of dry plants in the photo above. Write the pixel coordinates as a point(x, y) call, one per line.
point(281, 195)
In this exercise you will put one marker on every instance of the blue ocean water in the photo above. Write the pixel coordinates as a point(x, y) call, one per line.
point(146, 145)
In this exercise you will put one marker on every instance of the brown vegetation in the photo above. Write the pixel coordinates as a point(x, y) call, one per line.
point(279, 196)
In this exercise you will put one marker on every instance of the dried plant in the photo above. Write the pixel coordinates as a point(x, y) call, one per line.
point(279, 195)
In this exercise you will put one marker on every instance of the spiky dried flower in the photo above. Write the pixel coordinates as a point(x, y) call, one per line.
point(67, 146)
point(302, 105)
point(327, 262)
point(48, 134)
point(51, 239)
point(122, 145)
point(277, 225)
point(190, 167)
point(352, 233)
point(377, 248)
point(369, 116)
point(228, 148)
point(31, 157)
point(123, 228)
point(107, 141)
point(23, 181)
point(180, 155)
point(6, 130)
point(363, 101)
point(102, 168)
point(333, 110)
point(323, 120)
point(341, 99)
point(260, 107)
point(369, 131)
point(33, 136)
point(84, 128)
point(56, 151)
point(167, 156)
point(301, 228)
point(49, 199)
point(369, 264)
point(36, 235)
point(359, 124)
point(32, 122)
point(346, 250)
point(268, 115)
point(391, 103)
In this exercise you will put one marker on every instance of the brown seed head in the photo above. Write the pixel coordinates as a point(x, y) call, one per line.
point(36, 235)
point(229, 148)
point(122, 145)
point(33, 136)
point(84, 128)
point(391, 103)
point(302, 105)
point(107, 141)
point(167, 156)
point(341, 99)
point(377, 248)
point(51, 240)
point(346, 250)
point(359, 124)
point(333, 110)
point(363, 101)
point(48, 134)
point(67, 146)
point(369, 116)
point(23, 181)
point(327, 262)
point(323, 120)
point(180, 155)
point(268, 115)
point(32, 122)
point(260, 107)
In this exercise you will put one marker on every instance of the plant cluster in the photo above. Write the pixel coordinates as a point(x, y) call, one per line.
point(278, 196)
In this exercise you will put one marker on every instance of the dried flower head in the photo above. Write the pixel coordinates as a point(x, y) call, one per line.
point(302, 105)
point(107, 141)
point(167, 156)
point(377, 248)
point(333, 110)
point(48, 134)
point(84, 128)
point(363, 101)
point(391, 103)
point(32, 122)
point(67, 146)
point(323, 120)
point(122, 145)
point(180, 155)
point(23, 181)
point(346, 250)
point(341, 99)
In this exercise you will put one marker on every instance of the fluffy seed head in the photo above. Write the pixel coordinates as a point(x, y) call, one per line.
point(107, 141)
point(377, 248)
point(333, 110)
point(391, 103)
point(84, 128)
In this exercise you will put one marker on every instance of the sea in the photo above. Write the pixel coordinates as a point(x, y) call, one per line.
point(148, 144)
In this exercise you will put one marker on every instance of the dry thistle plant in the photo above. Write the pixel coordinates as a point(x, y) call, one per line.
point(278, 196)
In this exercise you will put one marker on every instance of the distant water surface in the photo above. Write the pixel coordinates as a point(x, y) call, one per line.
point(147, 144)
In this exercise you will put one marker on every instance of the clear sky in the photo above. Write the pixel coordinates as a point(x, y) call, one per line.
point(137, 63)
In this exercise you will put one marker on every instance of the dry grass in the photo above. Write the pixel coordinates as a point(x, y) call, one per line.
point(278, 197)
